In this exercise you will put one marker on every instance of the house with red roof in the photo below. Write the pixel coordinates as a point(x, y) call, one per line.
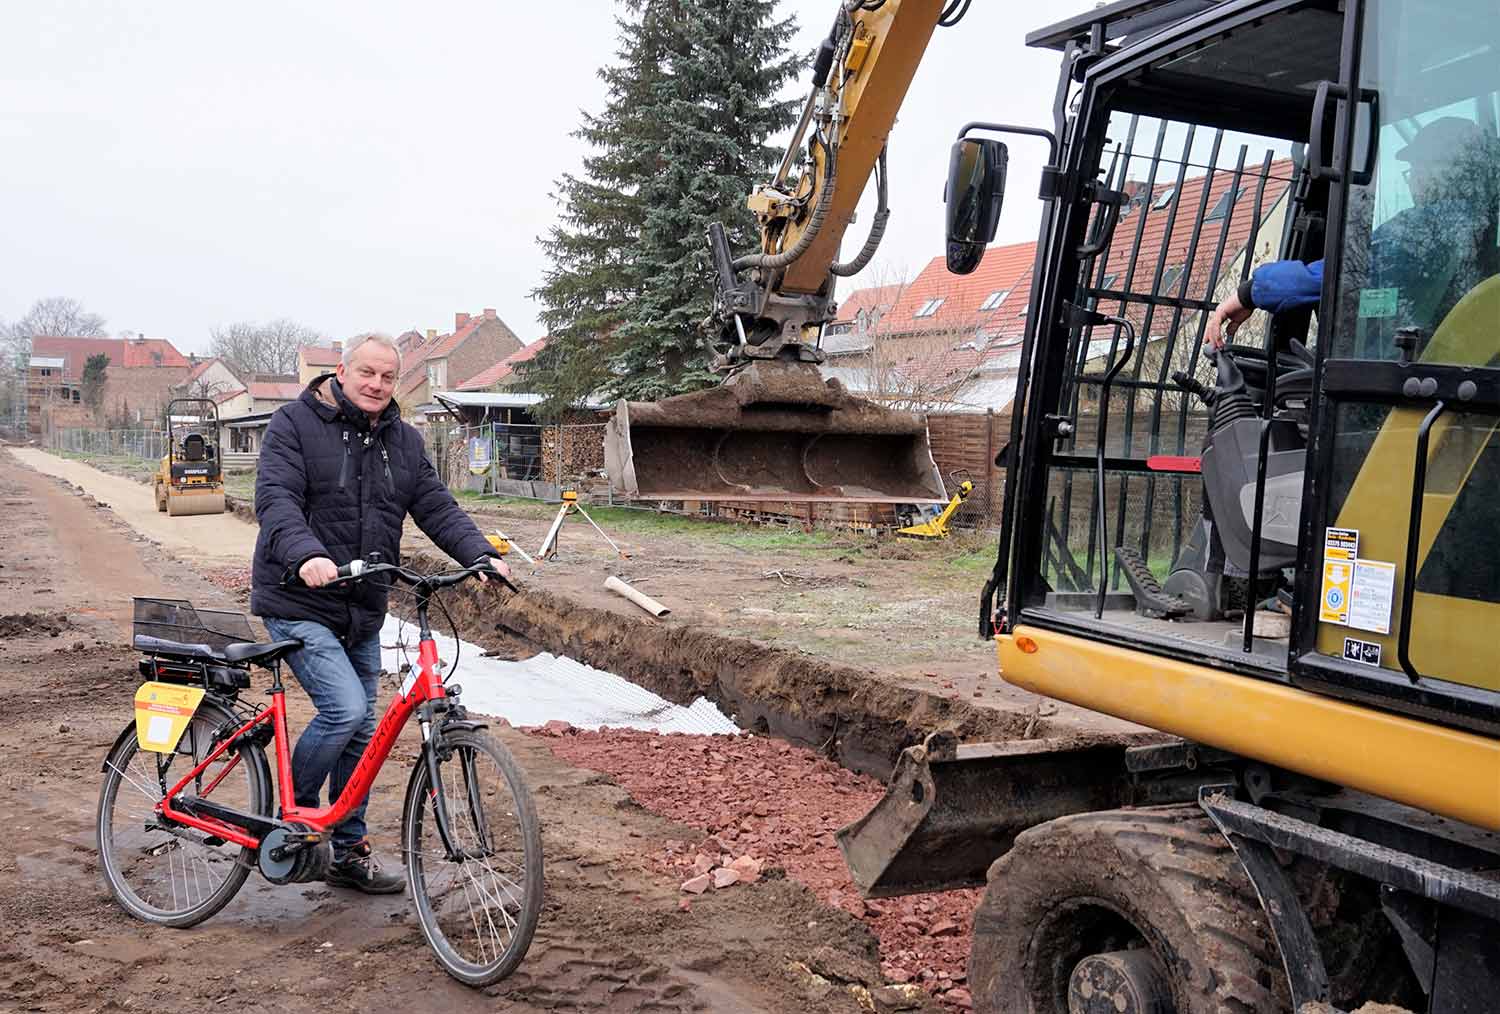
point(140, 376)
point(952, 342)
point(216, 380)
point(315, 360)
point(443, 362)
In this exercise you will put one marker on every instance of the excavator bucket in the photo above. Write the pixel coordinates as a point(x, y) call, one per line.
point(950, 811)
point(775, 432)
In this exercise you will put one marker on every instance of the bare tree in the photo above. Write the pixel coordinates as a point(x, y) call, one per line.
point(271, 347)
point(57, 316)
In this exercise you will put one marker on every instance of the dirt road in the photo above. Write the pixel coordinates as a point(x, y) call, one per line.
point(209, 539)
point(613, 936)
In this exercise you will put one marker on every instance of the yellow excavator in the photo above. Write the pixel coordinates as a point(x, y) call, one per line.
point(1313, 821)
point(190, 479)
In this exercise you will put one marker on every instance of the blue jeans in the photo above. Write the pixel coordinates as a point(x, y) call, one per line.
point(341, 680)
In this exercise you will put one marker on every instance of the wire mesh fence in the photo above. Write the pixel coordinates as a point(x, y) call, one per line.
point(147, 445)
point(515, 459)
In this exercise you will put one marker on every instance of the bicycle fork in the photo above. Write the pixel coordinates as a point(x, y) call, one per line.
point(435, 750)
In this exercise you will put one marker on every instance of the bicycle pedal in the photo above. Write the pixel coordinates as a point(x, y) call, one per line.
point(1150, 600)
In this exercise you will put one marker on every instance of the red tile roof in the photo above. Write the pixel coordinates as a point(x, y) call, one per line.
point(864, 300)
point(504, 368)
point(320, 355)
point(439, 347)
point(129, 353)
point(274, 390)
point(957, 337)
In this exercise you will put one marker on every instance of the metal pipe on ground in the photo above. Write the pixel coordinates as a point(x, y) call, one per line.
point(641, 599)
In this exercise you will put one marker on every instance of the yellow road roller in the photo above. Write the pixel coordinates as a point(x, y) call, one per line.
point(190, 479)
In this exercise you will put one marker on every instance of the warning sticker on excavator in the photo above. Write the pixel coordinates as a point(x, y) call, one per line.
point(1340, 551)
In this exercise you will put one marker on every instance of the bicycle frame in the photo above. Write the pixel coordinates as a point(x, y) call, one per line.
point(426, 688)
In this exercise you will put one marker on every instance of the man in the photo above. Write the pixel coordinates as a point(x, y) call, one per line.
point(338, 474)
point(1429, 255)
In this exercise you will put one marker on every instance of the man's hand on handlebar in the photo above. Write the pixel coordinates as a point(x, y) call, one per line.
point(318, 571)
point(501, 569)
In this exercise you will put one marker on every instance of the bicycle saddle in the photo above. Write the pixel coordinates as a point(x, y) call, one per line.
point(259, 654)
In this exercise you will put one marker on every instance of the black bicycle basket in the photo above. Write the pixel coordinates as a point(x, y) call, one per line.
point(183, 641)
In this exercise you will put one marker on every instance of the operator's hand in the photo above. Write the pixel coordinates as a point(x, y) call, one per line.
point(318, 571)
point(1226, 320)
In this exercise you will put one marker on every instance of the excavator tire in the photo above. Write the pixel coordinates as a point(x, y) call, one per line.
point(1157, 890)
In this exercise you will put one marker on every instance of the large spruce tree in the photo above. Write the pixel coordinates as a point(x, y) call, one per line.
point(681, 140)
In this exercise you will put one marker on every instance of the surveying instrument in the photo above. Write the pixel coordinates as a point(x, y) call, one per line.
point(570, 505)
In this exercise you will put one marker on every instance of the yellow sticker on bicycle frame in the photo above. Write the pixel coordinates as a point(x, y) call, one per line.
point(162, 713)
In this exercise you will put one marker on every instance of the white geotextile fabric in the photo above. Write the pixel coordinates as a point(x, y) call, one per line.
point(547, 687)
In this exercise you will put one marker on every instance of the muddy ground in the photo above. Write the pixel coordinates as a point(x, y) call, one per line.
point(614, 935)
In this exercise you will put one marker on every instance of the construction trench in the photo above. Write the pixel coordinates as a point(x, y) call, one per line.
point(818, 740)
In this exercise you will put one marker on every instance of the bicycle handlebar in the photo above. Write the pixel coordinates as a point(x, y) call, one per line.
point(357, 570)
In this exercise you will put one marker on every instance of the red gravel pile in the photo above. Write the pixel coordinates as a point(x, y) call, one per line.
point(231, 579)
point(765, 805)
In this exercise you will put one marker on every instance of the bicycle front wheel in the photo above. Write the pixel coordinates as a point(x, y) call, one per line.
point(161, 871)
point(478, 904)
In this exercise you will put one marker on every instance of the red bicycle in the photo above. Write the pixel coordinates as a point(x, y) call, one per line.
point(186, 810)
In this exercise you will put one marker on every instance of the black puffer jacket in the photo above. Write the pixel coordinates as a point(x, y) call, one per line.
point(329, 484)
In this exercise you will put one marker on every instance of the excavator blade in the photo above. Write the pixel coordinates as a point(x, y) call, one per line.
point(950, 811)
point(774, 432)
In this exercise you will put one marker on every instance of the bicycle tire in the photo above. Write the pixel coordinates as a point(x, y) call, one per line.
point(206, 876)
point(511, 840)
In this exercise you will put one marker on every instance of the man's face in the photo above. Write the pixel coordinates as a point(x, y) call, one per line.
point(369, 378)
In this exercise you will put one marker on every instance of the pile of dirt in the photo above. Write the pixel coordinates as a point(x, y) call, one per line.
point(33, 624)
point(760, 799)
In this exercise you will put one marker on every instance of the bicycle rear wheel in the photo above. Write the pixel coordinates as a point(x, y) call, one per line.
point(478, 912)
point(171, 874)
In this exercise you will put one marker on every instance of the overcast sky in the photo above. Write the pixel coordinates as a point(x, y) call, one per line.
point(376, 165)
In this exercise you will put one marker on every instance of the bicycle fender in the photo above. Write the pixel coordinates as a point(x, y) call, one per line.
point(465, 725)
point(124, 735)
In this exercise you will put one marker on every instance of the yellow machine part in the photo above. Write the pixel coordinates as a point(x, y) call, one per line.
point(1447, 771)
point(182, 502)
point(937, 528)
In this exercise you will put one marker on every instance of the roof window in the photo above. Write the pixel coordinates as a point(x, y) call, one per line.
point(930, 307)
point(994, 299)
point(1164, 199)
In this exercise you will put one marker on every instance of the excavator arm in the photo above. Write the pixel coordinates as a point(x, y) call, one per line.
point(774, 301)
point(776, 431)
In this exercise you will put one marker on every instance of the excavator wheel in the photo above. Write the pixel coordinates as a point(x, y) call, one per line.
point(1127, 912)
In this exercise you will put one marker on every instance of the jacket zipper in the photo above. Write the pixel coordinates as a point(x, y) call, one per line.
point(344, 467)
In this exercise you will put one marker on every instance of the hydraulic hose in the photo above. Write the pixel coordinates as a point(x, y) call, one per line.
point(774, 262)
point(877, 228)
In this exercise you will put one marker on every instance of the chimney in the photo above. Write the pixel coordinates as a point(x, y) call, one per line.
point(460, 321)
point(432, 332)
point(338, 346)
point(489, 313)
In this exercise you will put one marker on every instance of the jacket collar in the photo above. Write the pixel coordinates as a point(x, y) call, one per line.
point(327, 398)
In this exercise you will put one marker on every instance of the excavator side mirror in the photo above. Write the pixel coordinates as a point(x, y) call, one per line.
point(976, 189)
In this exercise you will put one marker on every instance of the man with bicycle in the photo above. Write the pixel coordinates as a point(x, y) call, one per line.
point(339, 472)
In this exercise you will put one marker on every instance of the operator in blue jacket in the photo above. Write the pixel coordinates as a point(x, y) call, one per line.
point(339, 473)
point(1430, 254)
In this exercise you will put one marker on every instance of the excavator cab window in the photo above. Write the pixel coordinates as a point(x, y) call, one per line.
point(1411, 393)
point(1147, 533)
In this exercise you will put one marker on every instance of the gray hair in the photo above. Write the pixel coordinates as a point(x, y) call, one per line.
point(378, 339)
